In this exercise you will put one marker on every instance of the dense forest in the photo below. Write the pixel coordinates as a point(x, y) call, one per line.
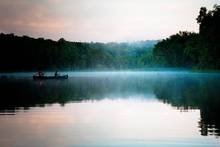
point(25, 53)
point(195, 50)
point(184, 49)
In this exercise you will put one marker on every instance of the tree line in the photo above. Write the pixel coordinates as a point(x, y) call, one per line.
point(184, 49)
point(26, 53)
point(193, 50)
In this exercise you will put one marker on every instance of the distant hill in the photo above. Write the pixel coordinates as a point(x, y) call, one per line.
point(26, 53)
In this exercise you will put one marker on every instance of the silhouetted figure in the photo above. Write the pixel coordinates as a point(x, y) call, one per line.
point(56, 74)
point(40, 73)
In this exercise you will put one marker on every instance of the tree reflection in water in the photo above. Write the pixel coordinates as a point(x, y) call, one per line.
point(183, 91)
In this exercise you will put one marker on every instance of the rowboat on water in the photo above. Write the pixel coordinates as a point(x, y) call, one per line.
point(37, 77)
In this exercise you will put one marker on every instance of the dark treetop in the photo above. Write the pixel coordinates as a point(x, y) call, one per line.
point(187, 49)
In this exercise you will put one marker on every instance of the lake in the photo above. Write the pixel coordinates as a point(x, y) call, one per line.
point(111, 109)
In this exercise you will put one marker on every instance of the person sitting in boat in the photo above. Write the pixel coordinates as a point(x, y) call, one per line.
point(56, 74)
point(40, 73)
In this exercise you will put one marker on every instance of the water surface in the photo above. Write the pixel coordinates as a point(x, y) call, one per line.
point(156, 109)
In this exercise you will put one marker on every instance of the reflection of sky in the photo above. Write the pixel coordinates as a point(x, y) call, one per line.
point(133, 122)
point(100, 20)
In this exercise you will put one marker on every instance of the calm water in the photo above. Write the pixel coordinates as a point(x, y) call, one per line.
point(123, 109)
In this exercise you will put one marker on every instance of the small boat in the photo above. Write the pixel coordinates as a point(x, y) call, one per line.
point(37, 77)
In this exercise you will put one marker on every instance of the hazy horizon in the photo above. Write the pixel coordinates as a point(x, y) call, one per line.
point(100, 20)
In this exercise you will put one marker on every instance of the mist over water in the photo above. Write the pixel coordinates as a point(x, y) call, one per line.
point(126, 108)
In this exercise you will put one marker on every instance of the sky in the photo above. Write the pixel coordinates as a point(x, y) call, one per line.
point(100, 20)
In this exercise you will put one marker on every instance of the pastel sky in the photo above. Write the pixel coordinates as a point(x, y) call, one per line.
point(100, 20)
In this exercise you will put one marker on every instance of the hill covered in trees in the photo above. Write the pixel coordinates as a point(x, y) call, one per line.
point(195, 50)
point(25, 53)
